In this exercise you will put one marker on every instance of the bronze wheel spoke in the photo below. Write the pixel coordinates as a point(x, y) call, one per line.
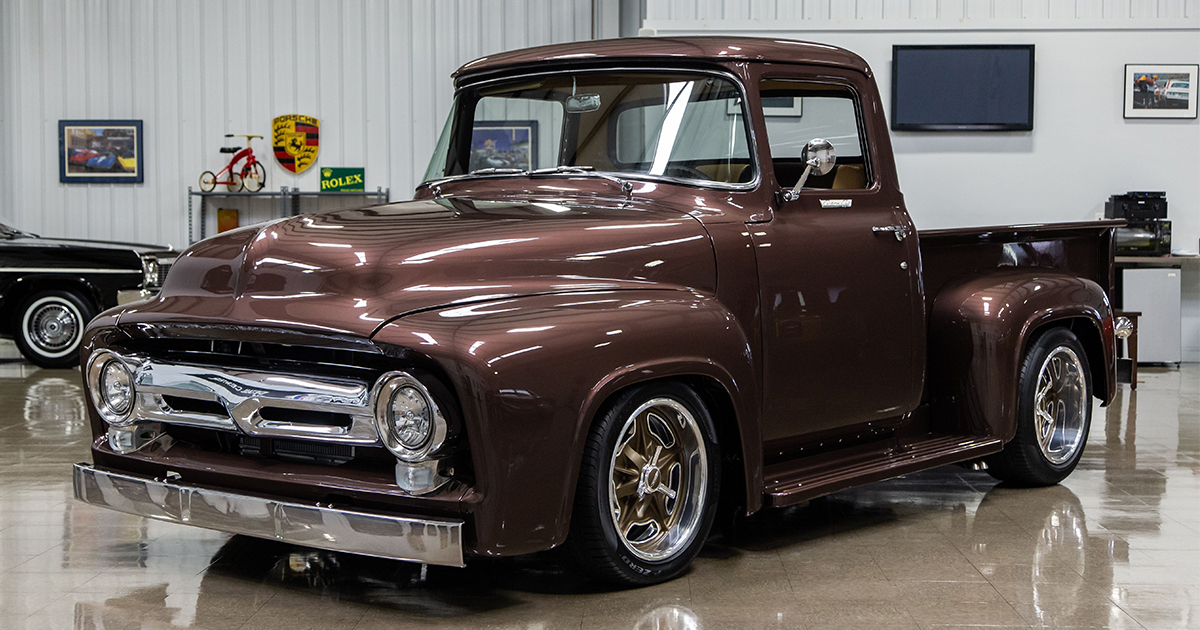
point(633, 456)
point(626, 470)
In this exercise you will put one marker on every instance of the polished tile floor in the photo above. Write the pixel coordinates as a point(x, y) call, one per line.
point(1117, 545)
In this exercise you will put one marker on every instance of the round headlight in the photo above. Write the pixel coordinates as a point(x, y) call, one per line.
point(408, 421)
point(111, 385)
point(116, 388)
point(410, 418)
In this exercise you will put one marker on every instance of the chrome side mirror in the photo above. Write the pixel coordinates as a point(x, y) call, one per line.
point(819, 158)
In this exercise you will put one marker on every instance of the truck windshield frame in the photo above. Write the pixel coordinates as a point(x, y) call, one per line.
point(718, 90)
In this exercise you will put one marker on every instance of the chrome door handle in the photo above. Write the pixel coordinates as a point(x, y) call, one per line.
point(900, 231)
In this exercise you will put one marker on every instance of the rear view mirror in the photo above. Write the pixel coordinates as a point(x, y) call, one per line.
point(582, 103)
point(819, 157)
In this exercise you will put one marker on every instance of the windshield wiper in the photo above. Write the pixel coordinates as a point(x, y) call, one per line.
point(498, 171)
point(626, 187)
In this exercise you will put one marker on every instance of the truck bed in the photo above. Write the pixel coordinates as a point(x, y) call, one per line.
point(1084, 249)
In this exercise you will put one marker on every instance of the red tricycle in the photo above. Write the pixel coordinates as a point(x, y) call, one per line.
point(251, 175)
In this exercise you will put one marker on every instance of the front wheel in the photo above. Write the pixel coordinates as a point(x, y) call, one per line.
point(254, 177)
point(648, 486)
point(1054, 413)
point(50, 326)
point(208, 181)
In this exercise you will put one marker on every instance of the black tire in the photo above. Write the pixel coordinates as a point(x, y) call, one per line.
point(595, 543)
point(254, 177)
point(48, 327)
point(208, 181)
point(1024, 461)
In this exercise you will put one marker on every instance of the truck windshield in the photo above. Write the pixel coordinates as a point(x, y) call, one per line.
point(634, 124)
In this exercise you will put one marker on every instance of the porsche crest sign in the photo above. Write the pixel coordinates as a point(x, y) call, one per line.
point(296, 140)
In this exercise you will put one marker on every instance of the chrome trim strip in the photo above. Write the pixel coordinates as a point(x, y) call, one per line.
point(244, 393)
point(396, 537)
point(66, 270)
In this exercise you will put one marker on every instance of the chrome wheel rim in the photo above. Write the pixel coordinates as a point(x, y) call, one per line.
point(1060, 405)
point(657, 482)
point(53, 327)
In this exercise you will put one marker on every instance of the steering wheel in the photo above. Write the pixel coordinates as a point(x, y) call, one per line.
point(689, 172)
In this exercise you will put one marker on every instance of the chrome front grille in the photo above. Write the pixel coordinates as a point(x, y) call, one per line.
point(261, 404)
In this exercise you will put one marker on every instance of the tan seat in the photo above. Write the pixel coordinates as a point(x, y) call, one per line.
point(849, 177)
point(723, 172)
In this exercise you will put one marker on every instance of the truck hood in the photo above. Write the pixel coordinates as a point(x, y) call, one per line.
point(351, 271)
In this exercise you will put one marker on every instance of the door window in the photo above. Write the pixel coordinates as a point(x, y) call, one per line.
point(797, 112)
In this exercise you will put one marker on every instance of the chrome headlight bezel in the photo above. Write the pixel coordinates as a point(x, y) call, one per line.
point(97, 364)
point(386, 388)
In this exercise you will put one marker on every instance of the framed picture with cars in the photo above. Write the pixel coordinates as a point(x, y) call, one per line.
point(504, 144)
point(100, 152)
point(1160, 91)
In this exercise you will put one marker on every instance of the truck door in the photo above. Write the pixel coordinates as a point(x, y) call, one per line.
point(838, 276)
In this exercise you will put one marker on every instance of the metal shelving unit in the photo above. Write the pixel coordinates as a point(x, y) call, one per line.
point(289, 203)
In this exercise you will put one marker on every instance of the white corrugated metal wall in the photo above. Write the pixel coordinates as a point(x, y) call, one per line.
point(766, 11)
point(376, 73)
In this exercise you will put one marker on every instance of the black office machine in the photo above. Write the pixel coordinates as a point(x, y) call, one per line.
point(1137, 206)
point(1147, 231)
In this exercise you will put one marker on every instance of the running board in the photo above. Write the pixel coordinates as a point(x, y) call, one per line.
point(788, 483)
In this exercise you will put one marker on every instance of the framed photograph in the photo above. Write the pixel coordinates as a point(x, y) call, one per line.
point(504, 144)
point(100, 152)
point(1160, 91)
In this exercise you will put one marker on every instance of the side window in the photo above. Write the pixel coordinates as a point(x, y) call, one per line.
point(797, 112)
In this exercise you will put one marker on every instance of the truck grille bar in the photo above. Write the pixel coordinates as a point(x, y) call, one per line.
point(261, 404)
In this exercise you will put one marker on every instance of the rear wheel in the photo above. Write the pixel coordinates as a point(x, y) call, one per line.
point(1054, 413)
point(648, 486)
point(235, 182)
point(254, 177)
point(49, 327)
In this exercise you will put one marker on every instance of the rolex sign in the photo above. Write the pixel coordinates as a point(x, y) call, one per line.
point(342, 179)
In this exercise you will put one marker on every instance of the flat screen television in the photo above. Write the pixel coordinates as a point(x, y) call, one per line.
point(962, 88)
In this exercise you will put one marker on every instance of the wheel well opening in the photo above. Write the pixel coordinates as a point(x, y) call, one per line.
point(1089, 336)
point(733, 469)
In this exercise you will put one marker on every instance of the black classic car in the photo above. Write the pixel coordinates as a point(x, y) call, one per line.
point(51, 288)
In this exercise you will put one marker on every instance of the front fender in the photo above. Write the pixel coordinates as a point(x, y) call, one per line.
point(531, 374)
point(979, 328)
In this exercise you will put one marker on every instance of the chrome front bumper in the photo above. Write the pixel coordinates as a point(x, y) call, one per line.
point(401, 538)
point(125, 296)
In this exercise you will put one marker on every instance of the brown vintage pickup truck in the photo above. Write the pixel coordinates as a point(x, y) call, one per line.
point(644, 281)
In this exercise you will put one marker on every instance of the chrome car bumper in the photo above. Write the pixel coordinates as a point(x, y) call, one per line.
point(401, 538)
point(125, 296)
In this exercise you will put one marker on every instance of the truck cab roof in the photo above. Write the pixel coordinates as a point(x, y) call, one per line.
point(715, 48)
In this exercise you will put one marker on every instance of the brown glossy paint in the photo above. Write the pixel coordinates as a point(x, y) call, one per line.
point(534, 300)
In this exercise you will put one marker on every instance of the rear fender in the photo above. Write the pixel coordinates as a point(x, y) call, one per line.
point(979, 328)
point(532, 373)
